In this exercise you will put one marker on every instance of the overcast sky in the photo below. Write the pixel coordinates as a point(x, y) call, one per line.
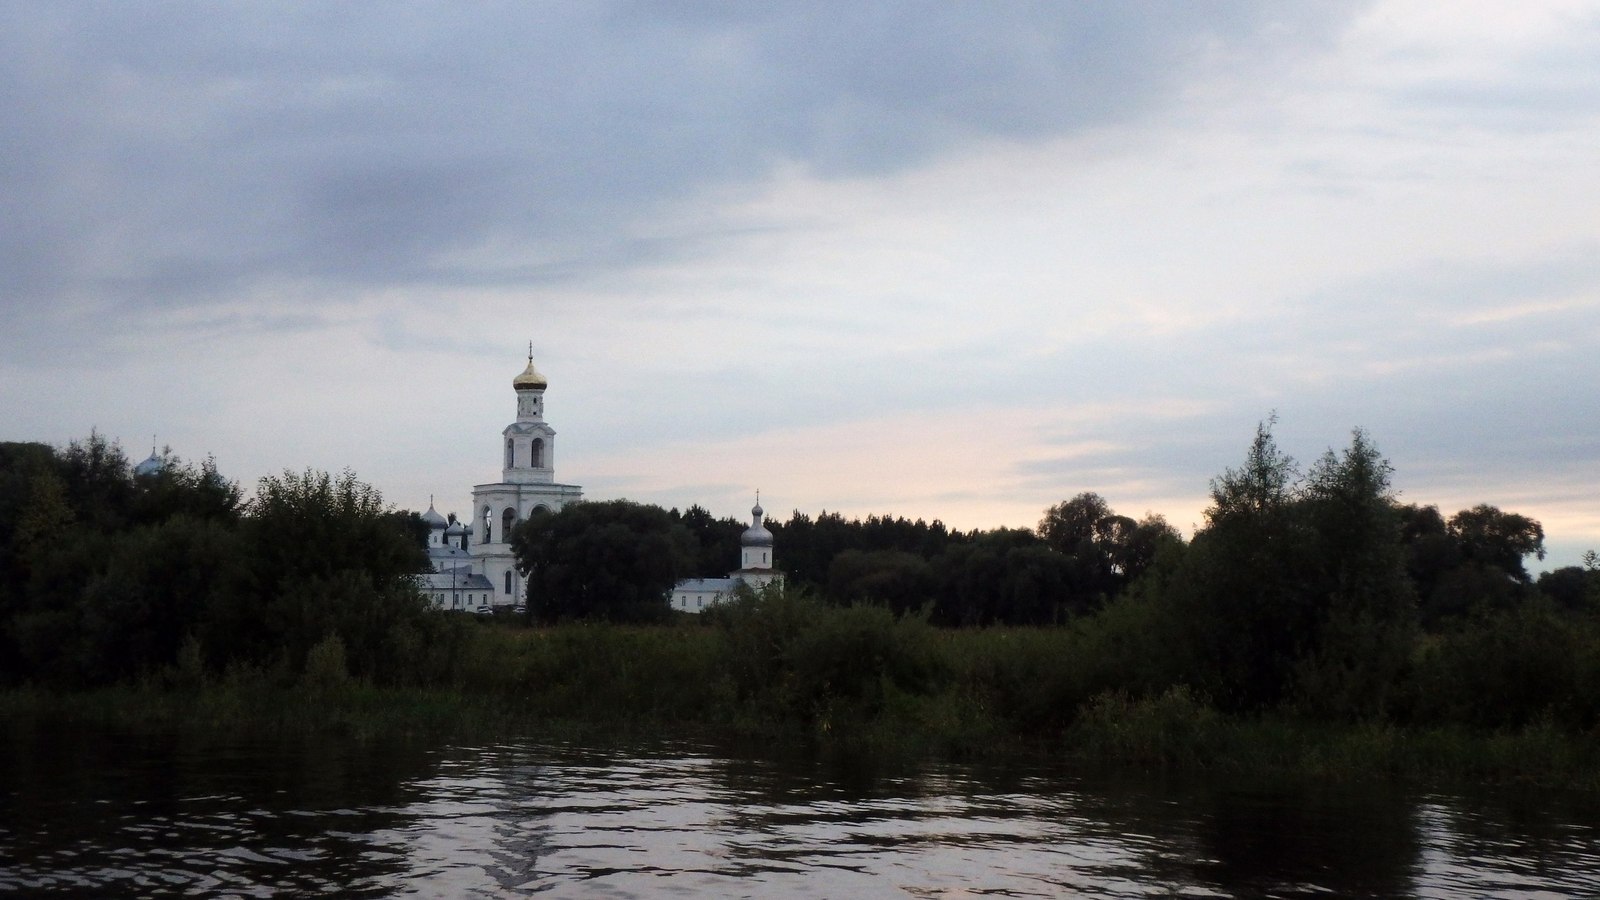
point(942, 260)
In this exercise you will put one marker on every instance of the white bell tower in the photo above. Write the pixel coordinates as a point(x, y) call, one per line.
point(530, 442)
point(527, 483)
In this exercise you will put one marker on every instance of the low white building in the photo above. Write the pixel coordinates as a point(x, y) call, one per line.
point(756, 570)
point(452, 582)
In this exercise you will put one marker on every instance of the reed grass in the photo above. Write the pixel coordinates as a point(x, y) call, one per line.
point(810, 675)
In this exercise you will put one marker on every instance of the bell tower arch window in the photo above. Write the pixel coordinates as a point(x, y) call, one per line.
point(508, 581)
point(507, 519)
point(511, 453)
point(536, 453)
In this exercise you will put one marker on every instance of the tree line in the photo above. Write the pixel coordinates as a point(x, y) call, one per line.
point(1314, 589)
point(616, 559)
point(108, 576)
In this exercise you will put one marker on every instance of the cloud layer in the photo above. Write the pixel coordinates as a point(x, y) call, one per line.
point(942, 259)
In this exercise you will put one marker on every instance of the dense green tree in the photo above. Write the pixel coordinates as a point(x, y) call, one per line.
point(410, 523)
point(614, 560)
point(1508, 667)
point(1471, 562)
point(1571, 588)
point(1366, 605)
point(1075, 526)
point(971, 576)
point(324, 556)
point(99, 482)
point(315, 525)
point(1136, 552)
point(899, 580)
point(107, 574)
point(1008, 577)
point(1494, 538)
point(1431, 556)
point(716, 540)
point(155, 589)
point(1242, 595)
point(1107, 550)
point(807, 546)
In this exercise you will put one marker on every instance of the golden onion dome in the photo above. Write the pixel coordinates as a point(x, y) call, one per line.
point(530, 379)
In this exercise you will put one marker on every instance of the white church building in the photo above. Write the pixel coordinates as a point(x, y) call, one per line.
point(452, 581)
point(756, 570)
point(472, 565)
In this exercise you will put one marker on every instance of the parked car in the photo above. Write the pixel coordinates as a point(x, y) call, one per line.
point(485, 610)
point(519, 609)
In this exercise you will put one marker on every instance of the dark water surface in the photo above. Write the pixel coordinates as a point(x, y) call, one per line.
point(104, 814)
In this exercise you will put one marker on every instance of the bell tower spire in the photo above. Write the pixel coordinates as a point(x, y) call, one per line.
point(530, 442)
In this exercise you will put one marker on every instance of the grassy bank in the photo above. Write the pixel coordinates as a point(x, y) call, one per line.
point(830, 677)
point(1172, 732)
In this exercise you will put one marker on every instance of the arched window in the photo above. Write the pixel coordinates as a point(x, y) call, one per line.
point(511, 453)
point(508, 582)
point(488, 520)
point(536, 453)
point(507, 519)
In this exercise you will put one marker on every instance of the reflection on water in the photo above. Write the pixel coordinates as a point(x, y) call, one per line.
point(97, 813)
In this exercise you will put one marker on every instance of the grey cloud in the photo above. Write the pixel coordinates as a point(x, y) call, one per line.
point(1546, 89)
point(174, 154)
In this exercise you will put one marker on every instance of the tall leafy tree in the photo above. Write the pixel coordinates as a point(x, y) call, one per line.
point(325, 558)
point(1242, 595)
point(1072, 526)
point(1366, 605)
point(615, 560)
point(1499, 539)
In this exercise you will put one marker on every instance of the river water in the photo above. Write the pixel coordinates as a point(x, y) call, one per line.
point(95, 813)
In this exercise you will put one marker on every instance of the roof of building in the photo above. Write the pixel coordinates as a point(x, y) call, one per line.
point(530, 379)
point(720, 585)
point(150, 466)
point(757, 534)
point(433, 518)
point(458, 581)
point(436, 554)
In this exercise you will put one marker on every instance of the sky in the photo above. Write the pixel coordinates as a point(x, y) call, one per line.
point(945, 260)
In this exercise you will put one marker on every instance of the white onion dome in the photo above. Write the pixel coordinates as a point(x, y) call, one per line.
point(757, 534)
point(435, 521)
point(530, 379)
point(456, 528)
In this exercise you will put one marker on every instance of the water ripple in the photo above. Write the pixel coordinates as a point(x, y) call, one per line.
point(679, 819)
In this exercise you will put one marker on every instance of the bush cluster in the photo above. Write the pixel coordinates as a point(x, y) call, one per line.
point(109, 576)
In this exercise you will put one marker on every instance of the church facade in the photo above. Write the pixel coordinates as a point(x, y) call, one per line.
point(756, 570)
point(527, 483)
point(473, 565)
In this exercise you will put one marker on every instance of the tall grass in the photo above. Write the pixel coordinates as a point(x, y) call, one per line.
point(783, 665)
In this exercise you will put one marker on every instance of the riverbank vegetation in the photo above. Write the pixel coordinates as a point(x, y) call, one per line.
point(1313, 624)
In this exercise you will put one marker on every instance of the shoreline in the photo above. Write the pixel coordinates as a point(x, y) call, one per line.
point(1171, 733)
